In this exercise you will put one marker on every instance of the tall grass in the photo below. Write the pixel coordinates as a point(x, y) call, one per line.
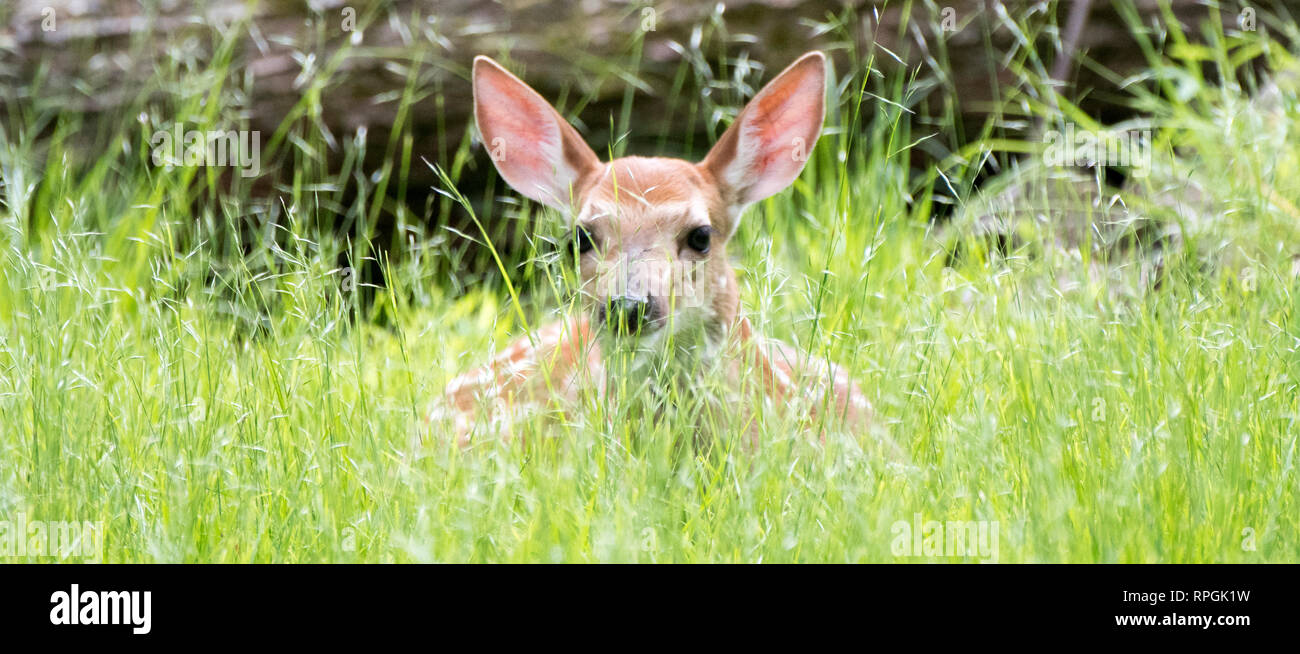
point(196, 362)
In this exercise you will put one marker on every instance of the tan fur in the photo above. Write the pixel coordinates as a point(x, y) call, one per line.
point(640, 212)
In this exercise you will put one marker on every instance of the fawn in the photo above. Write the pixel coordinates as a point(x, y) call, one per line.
point(650, 238)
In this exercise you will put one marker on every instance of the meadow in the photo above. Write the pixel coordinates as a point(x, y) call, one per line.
point(206, 367)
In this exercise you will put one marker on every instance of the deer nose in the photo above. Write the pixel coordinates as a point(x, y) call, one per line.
point(627, 313)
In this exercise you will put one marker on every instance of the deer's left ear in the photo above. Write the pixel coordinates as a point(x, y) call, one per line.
point(768, 144)
point(537, 152)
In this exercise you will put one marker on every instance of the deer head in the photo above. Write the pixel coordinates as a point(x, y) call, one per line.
point(651, 234)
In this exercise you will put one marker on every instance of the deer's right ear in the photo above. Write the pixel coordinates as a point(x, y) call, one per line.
point(766, 147)
point(537, 152)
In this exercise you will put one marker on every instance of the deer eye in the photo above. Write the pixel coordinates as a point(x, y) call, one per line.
point(698, 239)
point(583, 241)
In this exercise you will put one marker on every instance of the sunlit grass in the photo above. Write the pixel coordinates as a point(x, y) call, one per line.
point(216, 390)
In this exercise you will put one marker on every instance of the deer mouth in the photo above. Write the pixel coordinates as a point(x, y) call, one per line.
point(629, 316)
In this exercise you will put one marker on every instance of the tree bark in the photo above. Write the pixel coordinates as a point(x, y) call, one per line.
point(100, 55)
